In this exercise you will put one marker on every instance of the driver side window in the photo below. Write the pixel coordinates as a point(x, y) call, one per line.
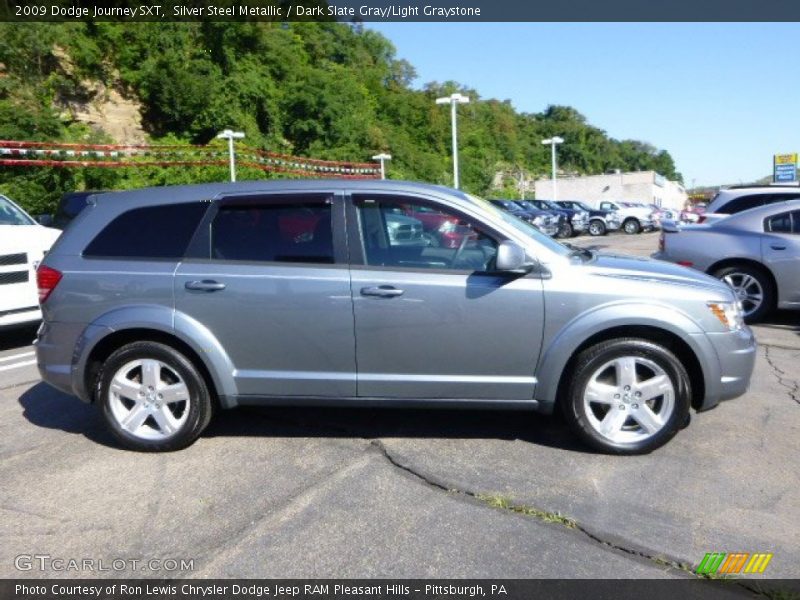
point(401, 232)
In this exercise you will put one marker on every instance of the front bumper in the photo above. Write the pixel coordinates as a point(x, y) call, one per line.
point(580, 226)
point(613, 224)
point(729, 376)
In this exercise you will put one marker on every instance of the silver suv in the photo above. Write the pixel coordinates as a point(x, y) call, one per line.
point(161, 305)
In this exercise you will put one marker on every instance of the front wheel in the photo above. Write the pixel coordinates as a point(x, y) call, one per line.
point(153, 398)
point(597, 228)
point(627, 396)
point(566, 230)
point(631, 226)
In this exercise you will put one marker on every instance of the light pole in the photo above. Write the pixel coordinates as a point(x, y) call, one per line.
point(231, 135)
point(553, 142)
point(452, 100)
point(383, 156)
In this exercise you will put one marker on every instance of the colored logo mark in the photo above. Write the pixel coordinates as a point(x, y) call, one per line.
point(733, 563)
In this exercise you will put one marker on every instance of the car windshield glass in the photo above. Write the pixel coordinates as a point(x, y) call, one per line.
point(11, 215)
point(522, 226)
point(526, 205)
point(581, 205)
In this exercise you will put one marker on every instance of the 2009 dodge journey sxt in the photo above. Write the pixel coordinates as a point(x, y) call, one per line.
point(162, 304)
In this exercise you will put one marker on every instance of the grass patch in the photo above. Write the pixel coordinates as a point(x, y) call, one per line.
point(505, 503)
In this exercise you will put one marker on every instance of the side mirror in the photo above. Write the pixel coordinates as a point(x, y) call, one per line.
point(511, 258)
point(46, 220)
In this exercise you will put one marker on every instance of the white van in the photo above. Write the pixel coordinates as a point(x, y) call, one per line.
point(23, 244)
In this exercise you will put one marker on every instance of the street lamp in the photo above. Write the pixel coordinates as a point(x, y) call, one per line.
point(452, 100)
point(230, 135)
point(553, 142)
point(382, 157)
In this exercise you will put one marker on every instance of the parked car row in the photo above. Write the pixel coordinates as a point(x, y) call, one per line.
point(574, 217)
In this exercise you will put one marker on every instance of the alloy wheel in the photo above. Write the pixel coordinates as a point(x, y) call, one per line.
point(629, 399)
point(748, 291)
point(149, 399)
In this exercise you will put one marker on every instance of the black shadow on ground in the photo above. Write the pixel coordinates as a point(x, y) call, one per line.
point(45, 407)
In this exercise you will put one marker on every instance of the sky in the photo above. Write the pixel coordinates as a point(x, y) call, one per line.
point(721, 98)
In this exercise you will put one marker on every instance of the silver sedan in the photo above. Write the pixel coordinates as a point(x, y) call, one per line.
point(756, 252)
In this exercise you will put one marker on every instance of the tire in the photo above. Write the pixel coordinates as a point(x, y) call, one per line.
point(131, 392)
point(753, 287)
point(597, 228)
point(631, 226)
point(566, 230)
point(611, 419)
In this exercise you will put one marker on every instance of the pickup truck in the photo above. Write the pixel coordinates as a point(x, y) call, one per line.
point(635, 217)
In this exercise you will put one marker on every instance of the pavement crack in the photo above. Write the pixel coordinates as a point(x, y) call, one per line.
point(502, 503)
point(783, 378)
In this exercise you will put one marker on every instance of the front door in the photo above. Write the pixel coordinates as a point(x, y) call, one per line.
point(274, 289)
point(780, 248)
point(431, 319)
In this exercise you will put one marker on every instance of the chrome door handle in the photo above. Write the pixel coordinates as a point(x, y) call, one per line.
point(777, 247)
point(383, 291)
point(207, 285)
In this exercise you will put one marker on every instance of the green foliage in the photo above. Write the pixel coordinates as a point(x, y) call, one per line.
point(326, 90)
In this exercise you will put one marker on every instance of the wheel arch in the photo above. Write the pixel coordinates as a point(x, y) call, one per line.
point(674, 330)
point(664, 337)
point(732, 262)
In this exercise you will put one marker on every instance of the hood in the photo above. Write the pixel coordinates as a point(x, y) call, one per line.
point(655, 271)
point(26, 238)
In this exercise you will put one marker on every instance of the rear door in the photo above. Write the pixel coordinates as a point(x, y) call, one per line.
point(269, 279)
point(780, 248)
point(432, 320)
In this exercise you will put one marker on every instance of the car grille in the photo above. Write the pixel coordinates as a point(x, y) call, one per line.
point(14, 277)
point(13, 259)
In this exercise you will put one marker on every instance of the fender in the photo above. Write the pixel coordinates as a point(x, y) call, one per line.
point(560, 349)
point(164, 320)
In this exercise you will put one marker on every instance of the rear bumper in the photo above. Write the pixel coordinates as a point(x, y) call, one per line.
point(730, 376)
point(60, 355)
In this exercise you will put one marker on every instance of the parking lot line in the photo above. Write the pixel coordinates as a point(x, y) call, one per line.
point(17, 365)
point(16, 356)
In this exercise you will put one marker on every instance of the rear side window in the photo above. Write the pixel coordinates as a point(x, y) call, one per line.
point(783, 223)
point(747, 202)
point(298, 232)
point(149, 232)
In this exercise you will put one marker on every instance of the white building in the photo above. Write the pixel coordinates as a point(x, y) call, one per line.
point(639, 186)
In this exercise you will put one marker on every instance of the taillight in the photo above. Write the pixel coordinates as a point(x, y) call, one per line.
point(47, 279)
point(701, 218)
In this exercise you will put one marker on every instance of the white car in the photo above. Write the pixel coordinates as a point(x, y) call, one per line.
point(635, 217)
point(23, 244)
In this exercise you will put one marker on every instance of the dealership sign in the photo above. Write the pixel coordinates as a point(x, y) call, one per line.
point(785, 167)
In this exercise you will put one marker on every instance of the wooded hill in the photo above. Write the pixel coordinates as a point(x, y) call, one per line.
point(324, 90)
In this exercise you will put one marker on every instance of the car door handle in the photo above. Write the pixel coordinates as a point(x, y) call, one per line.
point(383, 291)
point(777, 247)
point(207, 285)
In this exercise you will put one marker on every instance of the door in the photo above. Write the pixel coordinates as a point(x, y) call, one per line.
point(431, 319)
point(272, 285)
point(780, 248)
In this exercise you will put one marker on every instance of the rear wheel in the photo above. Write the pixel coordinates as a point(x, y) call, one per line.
point(597, 227)
point(153, 398)
point(631, 226)
point(627, 396)
point(753, 288)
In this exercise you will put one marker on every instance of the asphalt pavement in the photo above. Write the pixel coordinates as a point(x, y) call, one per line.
point(388, 493)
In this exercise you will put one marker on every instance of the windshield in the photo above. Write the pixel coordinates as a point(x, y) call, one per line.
point(11, 215)
point(582, 205)
point(527, 205)
point(522, 226)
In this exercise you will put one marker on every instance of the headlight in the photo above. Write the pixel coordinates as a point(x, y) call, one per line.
point(730, 314)
point(539, 220)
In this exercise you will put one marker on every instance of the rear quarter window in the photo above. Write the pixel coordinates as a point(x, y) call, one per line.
point(162, 231)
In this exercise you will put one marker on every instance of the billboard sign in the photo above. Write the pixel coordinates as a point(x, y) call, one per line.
point(784, 167)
